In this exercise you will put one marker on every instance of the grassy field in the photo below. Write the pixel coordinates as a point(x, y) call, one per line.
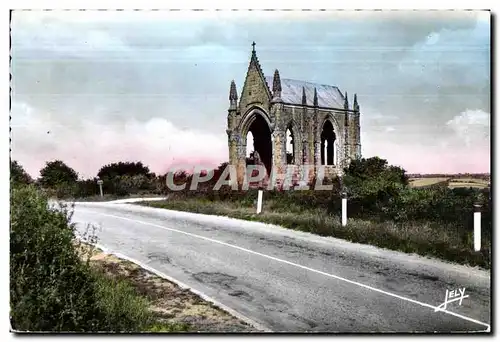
point(424, 238)
point(453, 182)
point(418, 182)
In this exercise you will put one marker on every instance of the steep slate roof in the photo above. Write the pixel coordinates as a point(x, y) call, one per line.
point(328, 96)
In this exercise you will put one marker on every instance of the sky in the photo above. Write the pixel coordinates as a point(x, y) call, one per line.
point(95, 87)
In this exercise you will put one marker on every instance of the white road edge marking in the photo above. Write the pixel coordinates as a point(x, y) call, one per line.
point(160, 274)
point(488, 327)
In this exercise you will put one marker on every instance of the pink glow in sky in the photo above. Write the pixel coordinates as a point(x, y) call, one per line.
point(87, 147)
point(95, 88)
point(161, 145)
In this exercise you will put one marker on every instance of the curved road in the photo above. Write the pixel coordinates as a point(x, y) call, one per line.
point(290, 281)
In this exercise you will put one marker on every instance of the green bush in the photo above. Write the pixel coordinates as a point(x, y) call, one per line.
point(411, 204)
point(137, 183)
point(51, 289)
point(371, 184)
point(439, 205)
point(379, 191)
point(86, 188)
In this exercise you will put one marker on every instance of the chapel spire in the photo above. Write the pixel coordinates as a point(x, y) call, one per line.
point(356, 105)
point(276, 84)
point(233, 95)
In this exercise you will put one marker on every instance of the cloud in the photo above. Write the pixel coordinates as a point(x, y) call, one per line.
point(49, 36)
point(432, 38)
point(87, 146)
point(471, 126)
point(466, 149)
point(115, 74)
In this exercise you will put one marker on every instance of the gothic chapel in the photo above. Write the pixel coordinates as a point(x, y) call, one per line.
point(324, 127)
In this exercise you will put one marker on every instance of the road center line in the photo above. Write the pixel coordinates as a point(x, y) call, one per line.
point(295, 265)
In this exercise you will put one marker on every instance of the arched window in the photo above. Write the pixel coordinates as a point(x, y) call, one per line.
point(290, 148)
point(328, 145)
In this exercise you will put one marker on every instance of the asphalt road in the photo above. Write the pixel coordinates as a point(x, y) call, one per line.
point(290, 281)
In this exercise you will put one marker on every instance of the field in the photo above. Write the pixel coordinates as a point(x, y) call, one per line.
point(451, 181)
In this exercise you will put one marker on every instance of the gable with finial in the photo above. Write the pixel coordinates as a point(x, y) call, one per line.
point(255, 89)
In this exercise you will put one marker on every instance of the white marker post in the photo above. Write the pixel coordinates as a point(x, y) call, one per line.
point(259, 202)
point(477, 227)
point(344, 209)
point(100, 186)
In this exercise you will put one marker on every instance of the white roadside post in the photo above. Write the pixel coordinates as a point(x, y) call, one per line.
point(99, 181)
point(259, 202)
point(344, 209)
point(477, 227)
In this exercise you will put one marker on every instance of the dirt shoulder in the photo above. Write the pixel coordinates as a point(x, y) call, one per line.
point(170, 303)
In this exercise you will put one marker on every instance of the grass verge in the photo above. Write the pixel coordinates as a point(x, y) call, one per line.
point(125, 309)
point(424, 238)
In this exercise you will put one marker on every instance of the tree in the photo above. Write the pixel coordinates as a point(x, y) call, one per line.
point(18, 175)
point(112, 170)
point(374, 167)
point(372, 182)
point(56, 173)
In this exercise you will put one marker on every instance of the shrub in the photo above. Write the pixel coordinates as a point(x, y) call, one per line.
point(133, 184)
point(411, 204)
point(371, 184)
point(374, 168)
point(116, 186)
point(86, 188)
point(50, 288)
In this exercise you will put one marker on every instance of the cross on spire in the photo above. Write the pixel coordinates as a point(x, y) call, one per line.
point(253, 46)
